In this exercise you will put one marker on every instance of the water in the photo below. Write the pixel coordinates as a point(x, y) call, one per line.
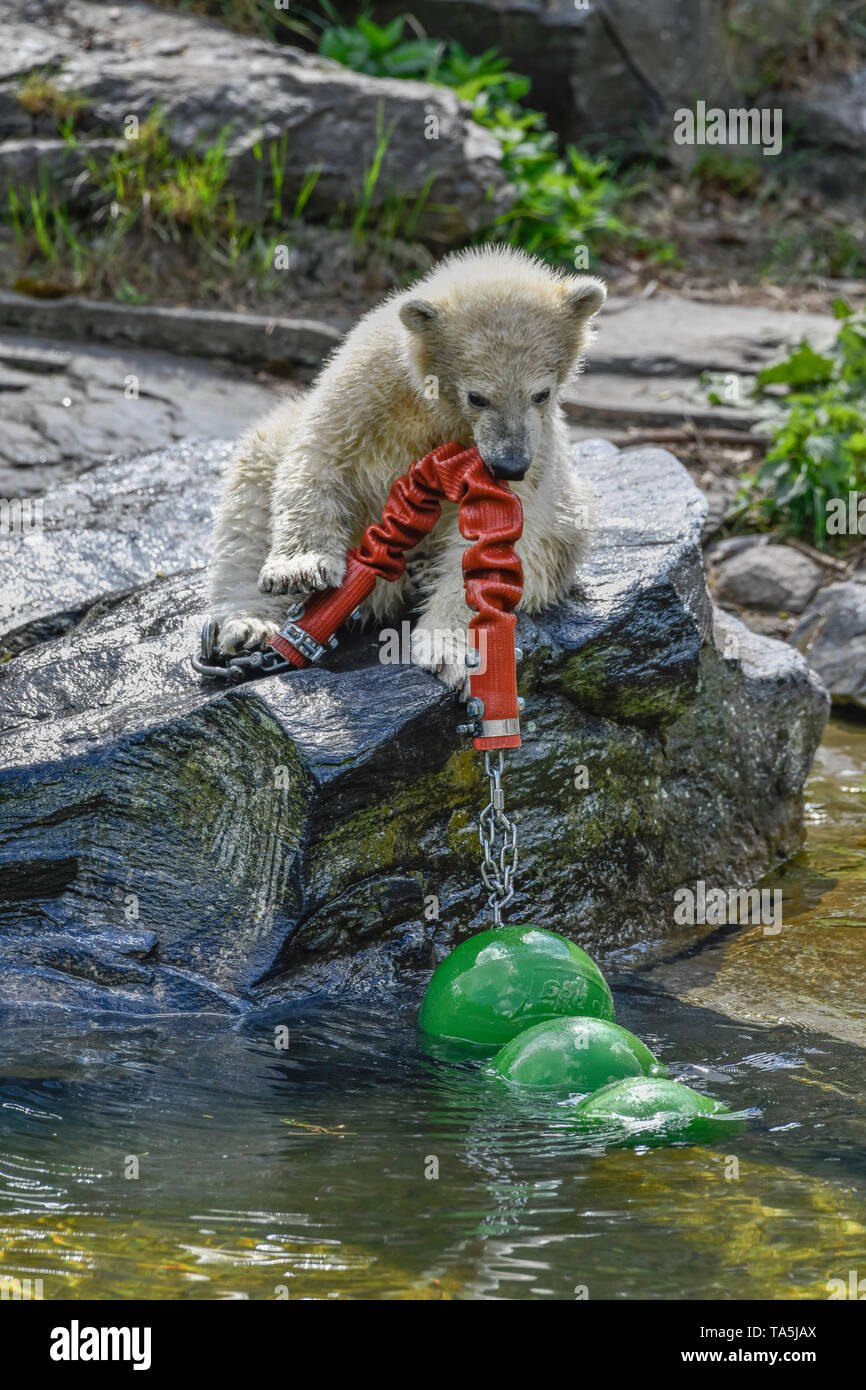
point(303, 1173)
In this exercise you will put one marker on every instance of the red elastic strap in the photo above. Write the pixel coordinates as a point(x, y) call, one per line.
point(490, 516)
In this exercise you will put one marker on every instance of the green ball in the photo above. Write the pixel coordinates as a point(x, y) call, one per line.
point(498, 983)
point(652, 1103)
point(579, 1053)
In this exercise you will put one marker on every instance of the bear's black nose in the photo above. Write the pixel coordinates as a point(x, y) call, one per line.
point(511, 466)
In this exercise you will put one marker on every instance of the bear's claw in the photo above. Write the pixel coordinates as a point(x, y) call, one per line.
point(299, 574)
point(244, 635)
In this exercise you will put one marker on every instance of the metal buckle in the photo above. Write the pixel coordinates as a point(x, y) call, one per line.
point(235, 669)
point(303, 642)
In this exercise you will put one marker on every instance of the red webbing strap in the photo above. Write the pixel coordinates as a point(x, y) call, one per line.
point(492, 518)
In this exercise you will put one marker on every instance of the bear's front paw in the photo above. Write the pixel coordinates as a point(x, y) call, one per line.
point(244, 634)
point(442, 651)
point(299, 574)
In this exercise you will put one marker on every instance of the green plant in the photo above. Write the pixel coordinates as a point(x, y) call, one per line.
point(40, 95)
point(143, 195)
point(564, 200)
point(371, 175)
point(379, 50)
point(306, 190)
point(818, 446)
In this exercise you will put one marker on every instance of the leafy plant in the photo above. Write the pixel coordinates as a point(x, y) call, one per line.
point(818, 449)
point(718, 170)
point(564, 201)
point(380, 50)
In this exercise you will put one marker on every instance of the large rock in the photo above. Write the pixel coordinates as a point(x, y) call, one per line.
point(832, 634)
point(208, 81)
point(168, 845)
point(669, 335)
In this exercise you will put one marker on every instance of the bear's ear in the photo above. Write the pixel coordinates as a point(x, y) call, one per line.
point(418, 315)
point(584, 296)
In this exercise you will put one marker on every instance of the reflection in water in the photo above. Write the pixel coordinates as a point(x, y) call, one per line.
point(193, 1161)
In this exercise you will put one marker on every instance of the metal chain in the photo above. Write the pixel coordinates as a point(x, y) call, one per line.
point(498, 865)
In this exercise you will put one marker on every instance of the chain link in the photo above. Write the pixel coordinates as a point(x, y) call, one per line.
point(498, 863)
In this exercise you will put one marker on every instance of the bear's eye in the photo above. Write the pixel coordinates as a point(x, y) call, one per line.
point(541, 397)
point(475, 398)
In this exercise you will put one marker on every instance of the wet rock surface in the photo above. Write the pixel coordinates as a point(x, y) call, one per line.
point(169, 845)
point(807, 968)
point(116, 526)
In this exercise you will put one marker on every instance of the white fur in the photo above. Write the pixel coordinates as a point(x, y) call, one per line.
point(316, 471)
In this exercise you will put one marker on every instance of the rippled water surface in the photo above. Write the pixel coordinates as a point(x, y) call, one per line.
point(303, 1173)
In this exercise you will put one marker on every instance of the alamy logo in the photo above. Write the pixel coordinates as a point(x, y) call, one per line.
point(21, 516)
point(738, 126)
point(77, 1343)
point(425, 647)
point(846, 517)
point(853, 1288)
point(720, 907)
point(20, 1290)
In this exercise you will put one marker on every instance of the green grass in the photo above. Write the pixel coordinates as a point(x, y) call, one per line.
point(143, 195)
point(569, 207)
point(260, 17)
point(150, 212)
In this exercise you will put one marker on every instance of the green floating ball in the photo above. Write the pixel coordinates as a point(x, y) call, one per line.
point(652, 1103)
point(581, 1054)
point(499, 983)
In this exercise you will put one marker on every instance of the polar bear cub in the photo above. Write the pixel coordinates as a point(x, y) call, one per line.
point(478, 351)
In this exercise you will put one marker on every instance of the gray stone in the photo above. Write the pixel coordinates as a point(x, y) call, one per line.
point(650, 356)
point(299, 344)
point(667, 335)
point(281, 839)
point(774, 577)
point(607, 400)
point(834, 112)
point(208, 80)
point(68, 409)
point(832, 635)
point(732, 545)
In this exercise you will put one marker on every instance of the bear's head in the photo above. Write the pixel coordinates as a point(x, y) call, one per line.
point(493, 336)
